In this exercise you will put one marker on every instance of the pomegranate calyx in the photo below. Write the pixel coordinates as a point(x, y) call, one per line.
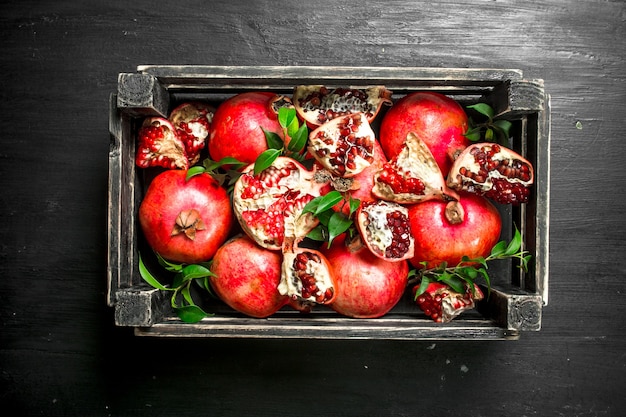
point(188, 222)
point(454, 212)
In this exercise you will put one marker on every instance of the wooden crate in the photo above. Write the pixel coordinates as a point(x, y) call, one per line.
point(517, 298)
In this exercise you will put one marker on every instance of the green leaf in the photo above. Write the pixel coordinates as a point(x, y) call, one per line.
point(453, 281)
point(286, 115)
point(422, 288)
point(337, 224)
point(473, 134)
point(193, 171)
point(489, 134)
point(483, 108)
point(148, 277)
point(170, 266)
point(273, 140)
point(498, 249)
point(265, 160)
point(210, 165)
point(354, 205)
point(190, 313)
point(194, 271)
point(504, 125)
point(298, 139)
point(319, 233)
point(328, 201)
point(515, 244)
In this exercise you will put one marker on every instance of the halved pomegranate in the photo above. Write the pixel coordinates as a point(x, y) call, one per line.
point(412, 176)
point(441, 303)
point(307, 276)
point(317, 104)
point(494, 171)
point(269, 204)
point(385, 228)
point(343, 145)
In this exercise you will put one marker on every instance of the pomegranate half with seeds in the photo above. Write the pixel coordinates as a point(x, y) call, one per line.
point(192, 122)
point(318, 104)
point(185, 220)
point(268, 204)
point(442, 304)
point(437, 119)
point(344, 145)
point(494, 171)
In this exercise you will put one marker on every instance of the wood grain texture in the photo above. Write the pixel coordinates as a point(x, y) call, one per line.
point(60, 353)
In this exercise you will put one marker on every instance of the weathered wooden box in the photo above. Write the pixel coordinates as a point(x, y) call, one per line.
point(517, 298)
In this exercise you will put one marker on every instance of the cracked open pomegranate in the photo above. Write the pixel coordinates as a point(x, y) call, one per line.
point(494, 171)
point(447, 231)
point(317, 104)
point(435, 118)
point(192, 122)
point(268, 205)
point(185, 220)
point(442, 304)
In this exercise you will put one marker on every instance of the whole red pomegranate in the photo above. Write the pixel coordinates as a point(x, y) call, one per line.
point(247, 276)
point(436, 119)
point(238, 123)
point(185, 220)
point(445, 232)
point(367, 286)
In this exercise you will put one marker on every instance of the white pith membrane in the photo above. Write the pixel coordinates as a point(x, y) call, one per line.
point(379, 235)
point(167, 147)
point(414, 161)
point(291, 285)
point(467, 160)
point(337, 102)
point(290, 189)
point(331, 131)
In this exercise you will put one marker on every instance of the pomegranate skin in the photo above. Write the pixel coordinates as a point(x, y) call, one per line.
point(435, 118)
point(236, 126)
point(437, 240)
point(168, 195)
point(247, 276)
point(367, 286)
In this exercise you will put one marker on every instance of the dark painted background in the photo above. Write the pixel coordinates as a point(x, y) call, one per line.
point(60, 353)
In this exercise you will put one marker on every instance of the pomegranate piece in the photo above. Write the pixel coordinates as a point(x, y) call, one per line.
point(441, 303)
point(412, 176)
point(494, 171)
point(344, 145)
point(246, 277)
point(437, 119)
point(192, 123)
point(317, 104)
point(268, 205)
point(160, 146)
point(307, 277)
point(185, 220)
point(367, 286)
point(386, 230)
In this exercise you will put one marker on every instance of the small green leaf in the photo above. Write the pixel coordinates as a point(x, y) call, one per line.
point(483, 108)
point(473, 134)
point(210, 165)
point(328, 201)
point(489, 134)
point(170, 266)
point(265, 160)
point(422, 288)
point(298, 139)
point(515, 244)
point(319, 234)
point(193, 171)
point(354, 205)
point(273, 140)
point(194, 271)
point(190, 313)
point(498, 249)
point(504, 125)
point(337, 224)
point(148, 277)
point(293, 127)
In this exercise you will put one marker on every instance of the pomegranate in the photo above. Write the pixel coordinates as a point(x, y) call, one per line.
point(247, 277)
point(494, 171)
point(343, 145)
point(385, 228)
point(185, 220)
point(437, 119)
point(317, 104)
point(412, 176)
point(307, 277)
point(268, 205)
point(441, 303)
point(238, 124)
point(367, 286)
point(159, 145)
point(445, 232)
point(192, 122)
